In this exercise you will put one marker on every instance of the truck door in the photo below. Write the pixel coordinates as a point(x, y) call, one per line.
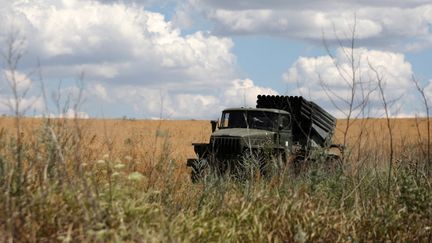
point(284, 133)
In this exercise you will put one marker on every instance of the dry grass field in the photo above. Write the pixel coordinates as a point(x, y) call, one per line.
point(126, 180)
point(182, 133)
point(148, 136)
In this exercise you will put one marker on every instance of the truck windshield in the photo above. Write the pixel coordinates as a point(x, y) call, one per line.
point(249, 119)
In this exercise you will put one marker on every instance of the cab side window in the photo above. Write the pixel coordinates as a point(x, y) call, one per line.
point(285, 122)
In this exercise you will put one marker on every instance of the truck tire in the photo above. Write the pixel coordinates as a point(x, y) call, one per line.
point(200, 169)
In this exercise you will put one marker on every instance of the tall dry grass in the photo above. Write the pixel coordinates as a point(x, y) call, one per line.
point(121, 180)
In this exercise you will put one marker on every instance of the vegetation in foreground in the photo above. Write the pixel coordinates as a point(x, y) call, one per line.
point(56, 185)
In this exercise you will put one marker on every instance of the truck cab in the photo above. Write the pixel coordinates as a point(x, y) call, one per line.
point(244, 132)
point(251, 129)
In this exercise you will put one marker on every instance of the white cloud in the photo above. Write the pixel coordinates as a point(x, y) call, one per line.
point(244, 93)
point(27, 105)
point(169, 104)
point(17, 80)
point(137, 58)
point(69, 114)
point(16, 95)
point(313, 76)
point(298, 24)
point(283, 4)
point(130, 57)
point(398, 70)
point(99, 92)
point(387, 24)
point(120, 43)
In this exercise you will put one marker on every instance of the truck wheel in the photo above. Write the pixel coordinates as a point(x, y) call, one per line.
point(298, 164)
point(252, 161)
point(334, 163)
point(200, 169)
point(274, 165)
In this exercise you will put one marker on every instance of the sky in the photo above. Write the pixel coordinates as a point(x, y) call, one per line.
point(190, 59)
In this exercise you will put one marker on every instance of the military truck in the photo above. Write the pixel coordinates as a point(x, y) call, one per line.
point(279, 129)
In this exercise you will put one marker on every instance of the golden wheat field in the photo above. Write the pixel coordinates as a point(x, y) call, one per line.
point(150, 136)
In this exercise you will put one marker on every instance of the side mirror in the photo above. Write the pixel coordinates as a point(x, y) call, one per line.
point(214, 125)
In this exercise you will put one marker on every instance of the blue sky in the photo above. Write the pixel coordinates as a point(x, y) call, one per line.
point(189, 59)
point(274, 55)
